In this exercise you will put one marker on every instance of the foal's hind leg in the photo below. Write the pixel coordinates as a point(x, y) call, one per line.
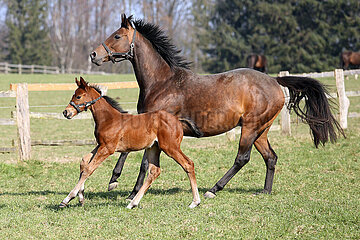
point(154, 171)
point(263, 146)
point(117, 171)
point(143, 169)
point(84, 161)
point(247, 139)
point(188, 167)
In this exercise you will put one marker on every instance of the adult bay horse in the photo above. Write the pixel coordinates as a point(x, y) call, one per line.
point(349, 58)
point(213, 104)
point(117, 131)
point(257, 62)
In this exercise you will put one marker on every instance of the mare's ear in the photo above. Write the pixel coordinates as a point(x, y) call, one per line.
point(77, 82)
point(123, 20)
point(126, 22)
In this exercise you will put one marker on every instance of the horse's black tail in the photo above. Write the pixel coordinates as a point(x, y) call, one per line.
point(317, 109)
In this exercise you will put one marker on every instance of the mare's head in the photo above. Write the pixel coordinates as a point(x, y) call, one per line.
point(118, 46)
point(82, 99)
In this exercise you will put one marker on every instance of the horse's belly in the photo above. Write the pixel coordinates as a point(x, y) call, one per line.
point(135, 142)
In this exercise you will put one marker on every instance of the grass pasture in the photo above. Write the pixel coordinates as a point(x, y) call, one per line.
point(315, 192)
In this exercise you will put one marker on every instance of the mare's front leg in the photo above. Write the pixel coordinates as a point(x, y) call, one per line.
point(98, 155)
point(140, 180)
point(117, 171)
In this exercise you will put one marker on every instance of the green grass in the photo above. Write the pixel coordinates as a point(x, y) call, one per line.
point(315, 192)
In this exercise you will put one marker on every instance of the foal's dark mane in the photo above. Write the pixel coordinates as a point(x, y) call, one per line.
point(161, 43)
point(110, 100)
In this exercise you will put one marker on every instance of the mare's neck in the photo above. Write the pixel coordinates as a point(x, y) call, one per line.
point(149, 67)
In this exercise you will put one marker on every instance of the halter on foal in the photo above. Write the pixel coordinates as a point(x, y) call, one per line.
point(116, 131)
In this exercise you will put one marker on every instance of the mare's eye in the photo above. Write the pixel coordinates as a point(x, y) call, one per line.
point(117, 36)
point(78, 97)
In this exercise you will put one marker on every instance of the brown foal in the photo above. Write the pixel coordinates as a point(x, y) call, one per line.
point(116, 131)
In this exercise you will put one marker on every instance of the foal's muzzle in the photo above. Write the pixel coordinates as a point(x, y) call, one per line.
point(67, 114)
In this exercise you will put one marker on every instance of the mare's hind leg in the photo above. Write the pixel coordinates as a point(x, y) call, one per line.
point(263, 146)
point(248, 136)
point(152, 154)
point(117, 171)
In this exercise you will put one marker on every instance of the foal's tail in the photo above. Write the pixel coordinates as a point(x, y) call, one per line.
point(317, 109)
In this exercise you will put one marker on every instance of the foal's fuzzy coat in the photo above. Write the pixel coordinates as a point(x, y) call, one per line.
point(116, 131)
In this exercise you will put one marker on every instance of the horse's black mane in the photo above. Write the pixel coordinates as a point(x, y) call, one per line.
point(110, 100)
point(161, 42)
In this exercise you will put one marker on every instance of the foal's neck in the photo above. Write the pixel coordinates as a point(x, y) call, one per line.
point(102, 111)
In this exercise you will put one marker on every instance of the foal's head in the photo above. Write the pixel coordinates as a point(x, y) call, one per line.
point(83, 98)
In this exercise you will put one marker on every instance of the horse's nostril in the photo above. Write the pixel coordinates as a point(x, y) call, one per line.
point(65, 113)
point(93, 55)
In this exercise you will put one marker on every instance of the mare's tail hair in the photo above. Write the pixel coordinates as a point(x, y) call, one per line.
point(317, 110)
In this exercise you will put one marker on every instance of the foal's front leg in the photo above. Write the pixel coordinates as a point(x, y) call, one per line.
point(88, 165)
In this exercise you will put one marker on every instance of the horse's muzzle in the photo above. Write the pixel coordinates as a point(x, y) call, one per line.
point(95, 59)
point(67, 114)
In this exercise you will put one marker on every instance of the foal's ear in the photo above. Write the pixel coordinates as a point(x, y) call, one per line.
point(83, 83)
point(77, 82)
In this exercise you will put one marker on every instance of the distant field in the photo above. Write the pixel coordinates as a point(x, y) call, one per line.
point(315, 193)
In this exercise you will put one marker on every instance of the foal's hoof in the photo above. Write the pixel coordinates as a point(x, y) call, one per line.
point(209, 195)
point(62, 205)
point(194, 205)
point(113, 186)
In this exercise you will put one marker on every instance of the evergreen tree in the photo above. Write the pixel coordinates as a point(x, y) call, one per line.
point(27, 40)
point(298, 36)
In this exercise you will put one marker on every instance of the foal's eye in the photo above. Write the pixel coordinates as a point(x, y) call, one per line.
point(78, 97)
point(117, 36)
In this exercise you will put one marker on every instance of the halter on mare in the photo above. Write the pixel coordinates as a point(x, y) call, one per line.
point(124, 55)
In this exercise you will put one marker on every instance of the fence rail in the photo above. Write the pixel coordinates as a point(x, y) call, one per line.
point(31, 69)
point(21, 117)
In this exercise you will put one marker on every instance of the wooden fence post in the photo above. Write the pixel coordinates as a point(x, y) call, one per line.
point(285, 114)
point(19, 69)
point(32, 69)
point(23, 121)
point(344, 102)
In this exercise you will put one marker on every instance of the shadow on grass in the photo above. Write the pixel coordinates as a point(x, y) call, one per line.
point(234, 190)
point(88, 205)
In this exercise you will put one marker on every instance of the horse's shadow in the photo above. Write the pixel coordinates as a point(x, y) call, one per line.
point(112, 196)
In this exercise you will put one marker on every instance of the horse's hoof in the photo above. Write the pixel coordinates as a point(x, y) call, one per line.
point(62, 205)
point(194, 205)
point(209, 195)
point(262, 192)
point(112, 186)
